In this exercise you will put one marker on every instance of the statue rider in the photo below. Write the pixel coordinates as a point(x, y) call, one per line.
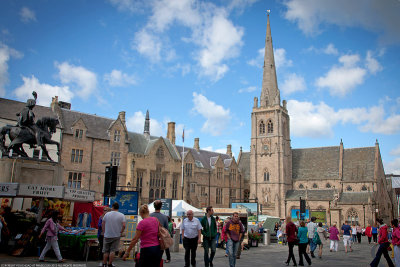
point(27, 119)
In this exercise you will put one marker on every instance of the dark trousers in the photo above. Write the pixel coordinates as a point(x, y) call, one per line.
point(302, 251)
point(375, 237)
point(100, 238)
point(359, 237)
point(209, 244)
point(369, 239)
point(190, 245)
point(382, 250)
point(150, 257)
point(291, 255)
point(168, 254)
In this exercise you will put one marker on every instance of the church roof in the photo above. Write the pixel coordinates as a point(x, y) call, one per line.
point(355, 197)
point(358, 164)
point(141, 145)
point(244, 165)
point(315, 163)
point(322, 194)
point(9, 108)
point(206, 158)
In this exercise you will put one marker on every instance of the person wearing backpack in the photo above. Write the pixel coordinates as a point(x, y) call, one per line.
point(319, 237)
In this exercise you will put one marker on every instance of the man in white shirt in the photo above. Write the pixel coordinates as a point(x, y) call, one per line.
point(191, 231)
point(311, 227)
point(113, 226)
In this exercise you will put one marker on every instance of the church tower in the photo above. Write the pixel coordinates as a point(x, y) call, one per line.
point(270, 156)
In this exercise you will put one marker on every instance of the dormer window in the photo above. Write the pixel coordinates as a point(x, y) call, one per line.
point(160, 152)
point(117, 136)
point(78, 133)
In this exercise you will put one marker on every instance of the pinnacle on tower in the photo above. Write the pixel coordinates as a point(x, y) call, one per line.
point(270, 95)
point(146, 131)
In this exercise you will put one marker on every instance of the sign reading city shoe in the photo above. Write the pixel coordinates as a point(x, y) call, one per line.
point(78, 195)
point(34, 190)
point(8, 189)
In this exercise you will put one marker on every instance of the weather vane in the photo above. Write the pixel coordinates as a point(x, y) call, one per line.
point(268, 11)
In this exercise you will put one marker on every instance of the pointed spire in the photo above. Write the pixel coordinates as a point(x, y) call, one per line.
point(146, 131)
point(270, 95)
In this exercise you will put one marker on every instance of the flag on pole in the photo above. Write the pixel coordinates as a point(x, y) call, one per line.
point(183, 136)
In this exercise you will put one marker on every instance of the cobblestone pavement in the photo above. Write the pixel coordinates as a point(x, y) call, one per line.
point(272, 255)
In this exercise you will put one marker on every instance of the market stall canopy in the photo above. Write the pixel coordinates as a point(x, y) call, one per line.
point(269, 221)
point(179, 208)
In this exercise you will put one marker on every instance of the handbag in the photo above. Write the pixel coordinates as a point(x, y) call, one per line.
point(164, 237)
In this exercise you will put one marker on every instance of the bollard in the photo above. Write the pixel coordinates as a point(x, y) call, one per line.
point(267, 237)
point(175, 246)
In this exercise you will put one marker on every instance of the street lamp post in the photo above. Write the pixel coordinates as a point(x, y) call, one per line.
point(209, 187)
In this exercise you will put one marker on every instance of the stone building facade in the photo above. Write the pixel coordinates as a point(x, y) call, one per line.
point(338, 184)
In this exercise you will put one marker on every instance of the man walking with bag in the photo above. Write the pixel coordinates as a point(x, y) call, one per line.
point(209, 232)
point(312, 227)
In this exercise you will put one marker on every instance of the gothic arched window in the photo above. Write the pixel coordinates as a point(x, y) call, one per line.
point(364, 188)
point(157, 195)
point(352, 217)
point(266, 175)
point(270, 126)
point(262, 127)
point(246, 195)
point(315, 186)
point(162, 193)
point(328, 185)
point(349, 188)
point(301, 186)
point(151, 195)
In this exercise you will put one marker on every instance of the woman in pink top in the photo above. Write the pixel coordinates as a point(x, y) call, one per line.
point(147, 232)
point(396, 241)
point(334, 237)
point(52, 226)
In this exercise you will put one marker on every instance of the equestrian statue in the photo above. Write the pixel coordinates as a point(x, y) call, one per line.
point(27, 131)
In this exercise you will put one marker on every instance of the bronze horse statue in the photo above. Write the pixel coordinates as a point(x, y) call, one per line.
point(20, 135)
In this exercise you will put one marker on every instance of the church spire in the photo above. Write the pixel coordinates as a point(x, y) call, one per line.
point(269, 93)
point(146, 131)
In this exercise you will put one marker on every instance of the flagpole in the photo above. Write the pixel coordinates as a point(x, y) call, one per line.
point(183, 156)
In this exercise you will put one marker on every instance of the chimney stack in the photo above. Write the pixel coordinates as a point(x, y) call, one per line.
point(196, 144)
point(121, 116)
point(54, 103)
point(171, 132)
point(229, 150)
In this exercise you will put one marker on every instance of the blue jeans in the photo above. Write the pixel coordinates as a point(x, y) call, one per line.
point(232, 247)
point(209, 244)
point(313, 246)
point(217, 239)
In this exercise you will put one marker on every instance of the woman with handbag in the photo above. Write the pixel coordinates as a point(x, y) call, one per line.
point(291, 233)
point(147, 231)
point(52, 227)
point(322, 236)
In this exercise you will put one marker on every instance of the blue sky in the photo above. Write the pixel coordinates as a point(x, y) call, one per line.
point(198, 63)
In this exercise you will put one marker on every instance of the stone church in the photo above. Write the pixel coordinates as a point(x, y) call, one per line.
point(339, 184)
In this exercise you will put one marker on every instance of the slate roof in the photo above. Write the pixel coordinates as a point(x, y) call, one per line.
point(97, 127)
point(141, 145)
point(355, 197)
point(326, 194)
point(9, 108)
point(244, 165)
point(207, 158)
point(358, 164)
point(315, 163)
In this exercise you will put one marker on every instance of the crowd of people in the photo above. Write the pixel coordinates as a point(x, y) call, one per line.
point(308, 236)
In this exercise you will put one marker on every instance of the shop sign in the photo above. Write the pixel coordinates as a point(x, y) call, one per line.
point(8, 189)
point(79, 195)
point(32, 190)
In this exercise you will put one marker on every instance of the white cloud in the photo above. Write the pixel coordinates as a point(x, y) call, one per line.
point(395, 151)
point(217, 118)
point(135, 123)
point(27, 15)
point(117, 78)
point(258, 61)
point(293, 83)
point(308, 119)
point(393, 166)
point(343, 79)
point(6, 53)
point(280, 58)
point(247, 89)
point(311, 14)
point(45, 91)
point(85, 80)
point(372, 64)
point(330, 49)
point(216, 38)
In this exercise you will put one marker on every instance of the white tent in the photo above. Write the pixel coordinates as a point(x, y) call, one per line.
point(179, 208)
